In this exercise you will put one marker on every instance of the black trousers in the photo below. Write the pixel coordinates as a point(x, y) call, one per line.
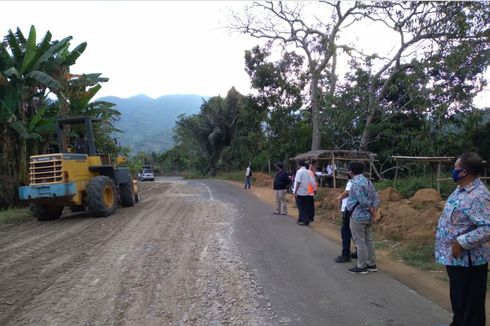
point(467, 290)
point(302, 204)
point(310, 207)
point(345, 234)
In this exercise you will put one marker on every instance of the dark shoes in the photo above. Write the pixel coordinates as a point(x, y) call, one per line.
point(357, 270)
point(302, 223)
point(342, 259)
point(353, 255)
point(372, 268)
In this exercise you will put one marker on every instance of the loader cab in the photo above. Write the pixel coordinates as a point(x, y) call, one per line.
point(84, 143)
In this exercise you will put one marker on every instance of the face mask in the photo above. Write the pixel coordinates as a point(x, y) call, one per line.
point(455, 175)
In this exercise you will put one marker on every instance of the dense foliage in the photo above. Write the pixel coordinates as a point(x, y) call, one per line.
point(36, 86)
point(418, 101)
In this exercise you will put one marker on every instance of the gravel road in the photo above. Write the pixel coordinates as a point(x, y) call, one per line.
point(192, 253)
point(167, 261)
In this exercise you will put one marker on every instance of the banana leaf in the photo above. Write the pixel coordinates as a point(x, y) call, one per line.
point(55, 48)
point(31, 50)
point(13, 44)
point(20, 128)
point(75, 54)
point(45, 79)
point(12, 72)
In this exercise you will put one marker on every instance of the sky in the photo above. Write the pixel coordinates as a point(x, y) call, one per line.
point(157, 47)
point(153, 48)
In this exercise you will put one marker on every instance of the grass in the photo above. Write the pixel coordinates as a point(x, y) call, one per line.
point(15, 215)
point(232, 176)
point(421, 256)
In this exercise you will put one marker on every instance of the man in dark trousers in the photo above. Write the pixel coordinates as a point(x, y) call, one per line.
point(281, 183)
point(300, 191)
point(461, 241)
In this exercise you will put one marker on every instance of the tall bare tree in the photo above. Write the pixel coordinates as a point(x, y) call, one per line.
point(425, 30)
point(311, 28)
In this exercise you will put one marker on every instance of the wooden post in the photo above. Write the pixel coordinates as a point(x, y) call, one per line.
point(431, 175)
point(396, 173)
point(439, 176)
point(334, 168)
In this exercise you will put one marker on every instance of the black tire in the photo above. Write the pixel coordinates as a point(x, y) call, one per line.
point(44, 213)
point(101, 196)
point(126, 195)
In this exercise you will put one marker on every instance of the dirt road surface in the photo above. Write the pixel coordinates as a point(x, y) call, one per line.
point(191, 253)
point(166, 261)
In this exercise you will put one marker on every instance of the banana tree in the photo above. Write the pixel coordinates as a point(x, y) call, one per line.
point(29, 72)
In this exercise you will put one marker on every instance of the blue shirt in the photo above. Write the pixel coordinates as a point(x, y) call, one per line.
point(361, 192)
point(466, 218)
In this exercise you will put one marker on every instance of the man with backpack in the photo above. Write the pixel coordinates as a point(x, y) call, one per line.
point(362, 204)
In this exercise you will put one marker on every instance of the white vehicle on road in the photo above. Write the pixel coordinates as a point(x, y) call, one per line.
point(146, 175)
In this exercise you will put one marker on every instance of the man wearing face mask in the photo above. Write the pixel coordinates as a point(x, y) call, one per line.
point(461, 241)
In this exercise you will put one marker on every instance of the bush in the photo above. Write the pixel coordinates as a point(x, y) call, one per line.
point(16, 215)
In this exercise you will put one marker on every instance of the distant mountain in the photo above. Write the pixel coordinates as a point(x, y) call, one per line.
point(147, 123)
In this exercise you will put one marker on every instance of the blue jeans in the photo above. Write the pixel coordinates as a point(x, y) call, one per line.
point(247, 183)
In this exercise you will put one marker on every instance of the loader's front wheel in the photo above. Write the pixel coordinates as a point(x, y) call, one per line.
point(45, 213)
point(101, 196)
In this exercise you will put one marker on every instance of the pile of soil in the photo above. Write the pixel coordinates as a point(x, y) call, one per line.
point(427, 195)
point(263, 180)
point(409, 221)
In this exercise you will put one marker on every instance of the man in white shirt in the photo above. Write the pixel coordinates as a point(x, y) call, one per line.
point(248, 177)
point(300, 192)
point(330, 174)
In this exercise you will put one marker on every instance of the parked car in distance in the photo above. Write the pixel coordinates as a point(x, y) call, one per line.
point(146, 175)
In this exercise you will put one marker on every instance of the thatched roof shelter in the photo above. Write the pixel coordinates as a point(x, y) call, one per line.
point(330, 156)
point(337, 154)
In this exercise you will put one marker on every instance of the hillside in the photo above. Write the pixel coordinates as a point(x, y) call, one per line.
point(147, 123)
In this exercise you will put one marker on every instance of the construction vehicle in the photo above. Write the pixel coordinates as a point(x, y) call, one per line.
point(82, 179)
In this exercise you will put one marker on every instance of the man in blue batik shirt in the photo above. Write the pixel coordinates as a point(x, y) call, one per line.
point(362, 203)
point(461, 241)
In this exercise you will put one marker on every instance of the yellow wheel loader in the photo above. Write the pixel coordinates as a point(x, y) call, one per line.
point(81, 179)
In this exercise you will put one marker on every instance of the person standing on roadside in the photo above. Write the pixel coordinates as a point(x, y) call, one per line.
point(248, 177)
point(329, 170)
point(312, 189)
point(281, 183)
point(461, 241)
point(300, 192)
point(362, 203)
point(345, 232)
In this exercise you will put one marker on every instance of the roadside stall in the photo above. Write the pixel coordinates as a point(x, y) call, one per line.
point(338, 161)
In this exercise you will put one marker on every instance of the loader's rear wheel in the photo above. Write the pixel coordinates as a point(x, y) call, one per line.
point(126, 194)
point(44, 213)
point(101, 196)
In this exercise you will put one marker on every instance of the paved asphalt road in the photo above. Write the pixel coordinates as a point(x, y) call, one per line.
point(295, 267)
